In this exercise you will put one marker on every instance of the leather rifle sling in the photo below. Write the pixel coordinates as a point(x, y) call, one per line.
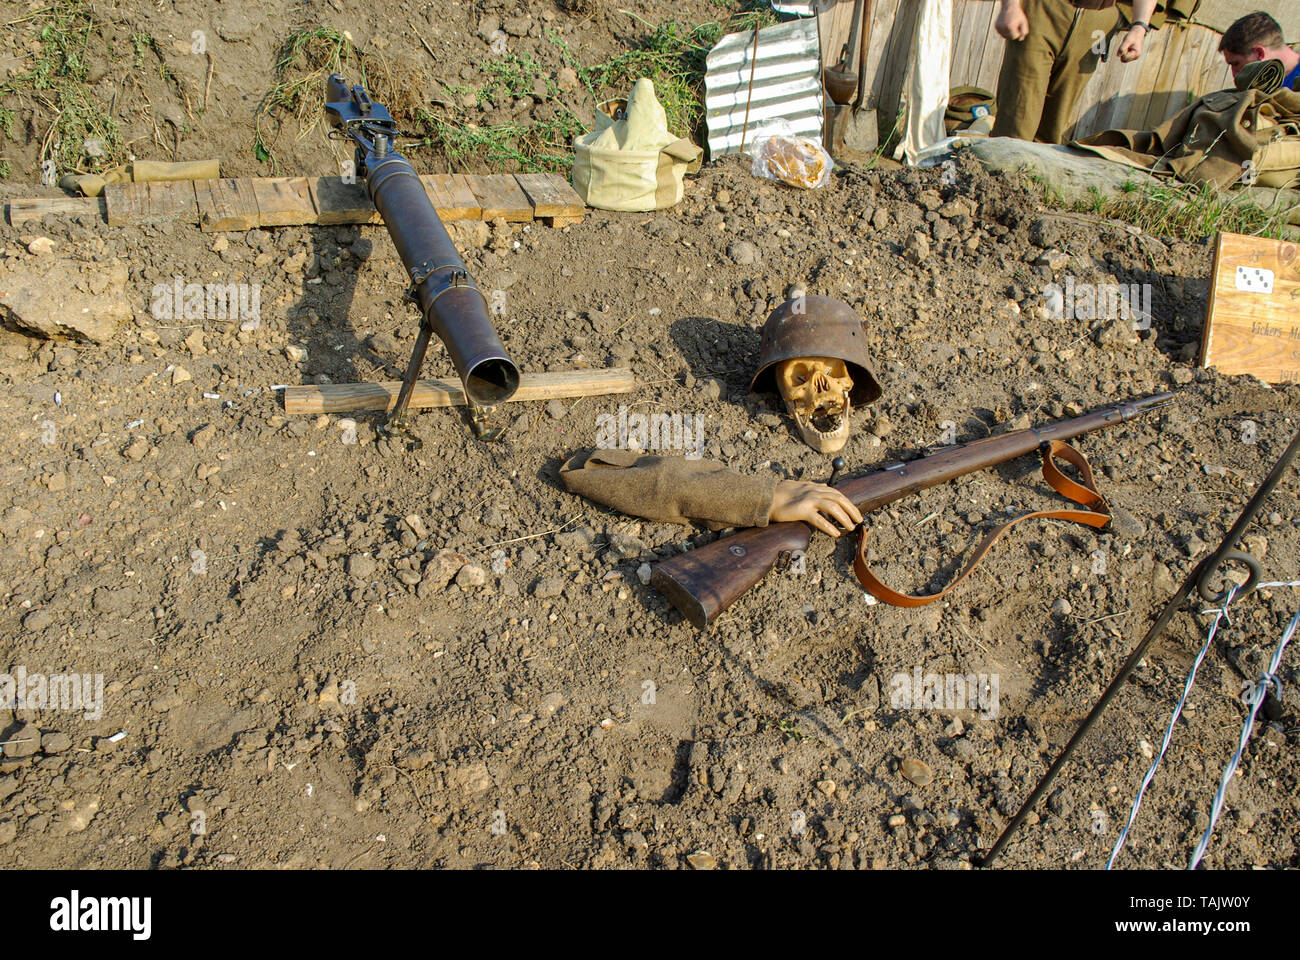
point(1097, 514)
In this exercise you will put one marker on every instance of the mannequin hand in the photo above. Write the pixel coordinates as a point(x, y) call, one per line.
point(802, 500)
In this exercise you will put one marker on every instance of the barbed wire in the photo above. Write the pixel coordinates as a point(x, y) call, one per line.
point(1253, 698)
point(1221, 616)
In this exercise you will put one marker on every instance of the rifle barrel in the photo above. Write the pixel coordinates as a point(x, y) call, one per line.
point(887, 484)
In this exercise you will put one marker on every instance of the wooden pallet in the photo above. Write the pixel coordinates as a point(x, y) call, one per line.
point(247, 202)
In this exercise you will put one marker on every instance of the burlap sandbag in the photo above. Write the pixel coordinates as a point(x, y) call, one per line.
point(631, 161)
point(1277, 162)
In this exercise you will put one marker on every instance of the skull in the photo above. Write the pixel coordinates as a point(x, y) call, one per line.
point(816, 392)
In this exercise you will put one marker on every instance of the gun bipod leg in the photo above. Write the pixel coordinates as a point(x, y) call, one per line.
point(397, 424)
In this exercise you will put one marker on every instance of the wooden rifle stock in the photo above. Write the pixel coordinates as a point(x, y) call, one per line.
point(701, 583)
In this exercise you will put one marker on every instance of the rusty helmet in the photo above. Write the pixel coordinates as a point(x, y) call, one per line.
point(816, 327)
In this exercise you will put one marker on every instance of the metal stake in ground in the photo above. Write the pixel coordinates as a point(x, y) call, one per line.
point(1199, 579)
point(753, 64)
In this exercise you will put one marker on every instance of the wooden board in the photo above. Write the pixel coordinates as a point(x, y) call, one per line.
point(1248, 330)
point(501, 196)
point(245, 203)
point(20, 211)
point(339, 202)
point(131, 204)
point(226, 204)
point(341, 397)
point(284, 201)
point(452, 197)
point(988, 56)
point(551, 195)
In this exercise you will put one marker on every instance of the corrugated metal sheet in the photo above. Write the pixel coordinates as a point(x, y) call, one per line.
point(787, 84)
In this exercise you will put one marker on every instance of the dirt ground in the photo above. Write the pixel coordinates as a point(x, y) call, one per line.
point(318, 653)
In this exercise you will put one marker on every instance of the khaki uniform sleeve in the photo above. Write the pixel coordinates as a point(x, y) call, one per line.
point(670, 489)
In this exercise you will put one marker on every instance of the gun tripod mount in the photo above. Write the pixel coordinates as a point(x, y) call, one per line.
point(451, 304)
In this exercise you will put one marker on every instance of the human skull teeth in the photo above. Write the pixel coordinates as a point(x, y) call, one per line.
point(816, 392)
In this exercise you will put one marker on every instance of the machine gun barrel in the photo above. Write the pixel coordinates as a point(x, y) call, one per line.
point(451, 304)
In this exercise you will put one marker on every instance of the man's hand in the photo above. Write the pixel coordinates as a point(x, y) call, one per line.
point(802, 500)
point(1012, 22)
point(1131, 47)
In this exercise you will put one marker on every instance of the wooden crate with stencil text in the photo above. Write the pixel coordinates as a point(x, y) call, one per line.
point(1252, 320)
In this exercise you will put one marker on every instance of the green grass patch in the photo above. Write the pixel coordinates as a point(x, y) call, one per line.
point(670, 53)
point(1190, 212)
point(540, 145)
point(56, 82)
point(302, 64)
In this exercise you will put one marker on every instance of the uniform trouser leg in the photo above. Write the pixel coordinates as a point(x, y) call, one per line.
point(1043, 75)
point(1027, 71)
point(1075, 65)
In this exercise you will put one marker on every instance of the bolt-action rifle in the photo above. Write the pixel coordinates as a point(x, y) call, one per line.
point(703, 582)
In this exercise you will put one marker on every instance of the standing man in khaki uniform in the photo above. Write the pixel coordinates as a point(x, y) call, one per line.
point(1052, 50)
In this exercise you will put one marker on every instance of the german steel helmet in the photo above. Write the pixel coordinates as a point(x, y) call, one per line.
point(816, 327)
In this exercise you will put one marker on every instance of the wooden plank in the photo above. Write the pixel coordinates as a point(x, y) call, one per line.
point(990, 57)
point(1200, 48)
point(501, 196)
point(284, 201)
point(1108, 90)
point(879, 67)
point(1141, 102)
point(1211, 72)
point(20, 211)
point(963, 52)
point(452, 197)
point(341, 397)
point(1208, 66)
point(964, 58)
point(551, 195)
point(895, 57)
point(1215, 73)
point(131, 204)
point(226, 204)
point(1165, 89)
point(835, 25)
point(1248, 328)
point(339, 202)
